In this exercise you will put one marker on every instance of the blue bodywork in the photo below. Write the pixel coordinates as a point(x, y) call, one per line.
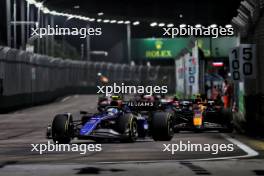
point(110, 114)
point(89, 126)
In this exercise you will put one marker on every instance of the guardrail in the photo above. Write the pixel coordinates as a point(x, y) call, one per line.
point(28, 79)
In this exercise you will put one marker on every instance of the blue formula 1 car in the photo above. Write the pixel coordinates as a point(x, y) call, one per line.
point(115, 122)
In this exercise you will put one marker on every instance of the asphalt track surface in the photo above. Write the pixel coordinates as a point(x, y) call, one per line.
point(22, 128)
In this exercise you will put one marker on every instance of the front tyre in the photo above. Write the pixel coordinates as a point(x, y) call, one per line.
point(162, 126)
point(127, 126)
point(62, 129)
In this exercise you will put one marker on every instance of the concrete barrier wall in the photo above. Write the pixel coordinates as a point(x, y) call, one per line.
point(29, 79)
point(252, 120)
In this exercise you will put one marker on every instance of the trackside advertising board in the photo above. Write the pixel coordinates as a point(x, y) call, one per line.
point(242, 62)
point(167, 48)
point(187, 73)
point(154, 48)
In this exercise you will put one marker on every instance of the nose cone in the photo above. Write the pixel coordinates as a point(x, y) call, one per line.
point(87, 129)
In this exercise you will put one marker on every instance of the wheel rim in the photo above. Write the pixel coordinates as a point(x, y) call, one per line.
point(134, 133)
point(170, 127)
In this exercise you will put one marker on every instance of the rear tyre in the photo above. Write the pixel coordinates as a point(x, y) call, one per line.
point(127, 126)
point(62, 129)
point(162, 126)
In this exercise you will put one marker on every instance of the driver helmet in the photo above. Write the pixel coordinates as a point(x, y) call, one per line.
point(112, 111)
point(198, 96)
point(116, 97)
point(117, 103)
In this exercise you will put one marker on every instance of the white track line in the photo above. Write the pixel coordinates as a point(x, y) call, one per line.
point(250, 153)
point(66, 98)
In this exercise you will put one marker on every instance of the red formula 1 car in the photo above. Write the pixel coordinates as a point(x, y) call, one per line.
point(200, 115)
